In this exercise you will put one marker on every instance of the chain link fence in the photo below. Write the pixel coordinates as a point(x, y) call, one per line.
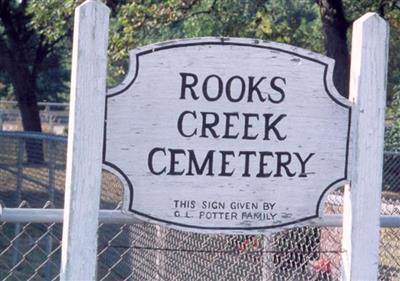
point(32, 173)
point(53, 116)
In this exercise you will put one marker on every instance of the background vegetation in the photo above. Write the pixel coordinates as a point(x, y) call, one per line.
point(36, 35)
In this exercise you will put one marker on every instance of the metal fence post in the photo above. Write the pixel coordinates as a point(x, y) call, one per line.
point(51, 164)
point(51, 151)
point(206, 264)
point(20, 159)
point(1, 121)
point(267, 265)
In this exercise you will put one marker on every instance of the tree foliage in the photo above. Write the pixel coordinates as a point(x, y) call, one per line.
point(392, 132)
point(322, 26)
point(37, 34)
point(28, 59)
point(136, 24)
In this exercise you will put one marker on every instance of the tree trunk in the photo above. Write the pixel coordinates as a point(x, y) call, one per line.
point(24, 87)
point(29, 112)
point(31, 122)
point(335, 28)
point(18, 45)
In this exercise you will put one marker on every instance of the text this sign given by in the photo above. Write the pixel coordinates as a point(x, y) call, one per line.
point(229, 135)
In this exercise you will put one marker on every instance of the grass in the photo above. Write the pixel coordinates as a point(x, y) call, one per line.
point(111, 195)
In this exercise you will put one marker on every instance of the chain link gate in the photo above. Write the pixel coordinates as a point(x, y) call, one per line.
point(34, 178)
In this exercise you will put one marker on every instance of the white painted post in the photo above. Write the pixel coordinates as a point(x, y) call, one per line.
point(363, 197)
point(267, 265)
point(85, 142)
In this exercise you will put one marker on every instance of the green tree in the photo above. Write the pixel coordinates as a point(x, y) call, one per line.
point(35, 38)
point(35, 44)
point(28, 57)
point(136, 24)
point(321, 25)
point(337, 17)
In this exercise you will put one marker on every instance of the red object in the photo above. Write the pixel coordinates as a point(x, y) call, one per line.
point(249, 243)
point(322, 265)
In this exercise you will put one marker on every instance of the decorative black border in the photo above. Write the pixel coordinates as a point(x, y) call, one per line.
point(223, 41)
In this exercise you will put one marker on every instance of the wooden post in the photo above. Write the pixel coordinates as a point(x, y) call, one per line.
point(85, 142)
point(363, 197)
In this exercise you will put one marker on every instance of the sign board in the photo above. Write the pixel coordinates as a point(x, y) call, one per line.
point(227, 135)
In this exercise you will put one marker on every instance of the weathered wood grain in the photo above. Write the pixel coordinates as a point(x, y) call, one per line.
point(85, 141)
point(173, 88)
point(363, 197)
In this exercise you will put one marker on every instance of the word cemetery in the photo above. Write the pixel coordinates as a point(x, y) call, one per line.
point(227, 121)
point(229, 125)
point(225, 135)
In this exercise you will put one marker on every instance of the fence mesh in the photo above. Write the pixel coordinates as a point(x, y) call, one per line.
point(32, 173)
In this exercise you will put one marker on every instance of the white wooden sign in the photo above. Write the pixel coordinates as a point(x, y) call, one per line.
point(227, 134)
